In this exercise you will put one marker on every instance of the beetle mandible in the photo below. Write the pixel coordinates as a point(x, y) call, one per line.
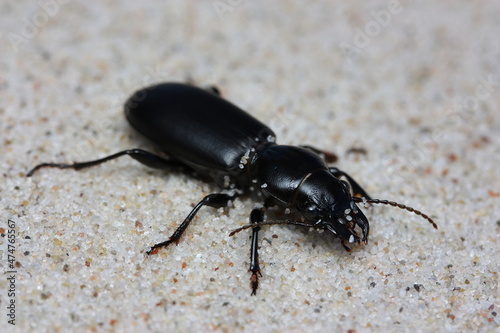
point(200, 130)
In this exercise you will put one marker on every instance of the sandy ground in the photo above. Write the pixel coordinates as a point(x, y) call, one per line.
point(415, 84)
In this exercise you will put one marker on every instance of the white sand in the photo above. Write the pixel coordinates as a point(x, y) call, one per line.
point(414, 94)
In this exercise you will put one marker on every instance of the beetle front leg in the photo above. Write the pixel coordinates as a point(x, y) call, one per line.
point(256, 216)
point(356, 188)
point(215, 200)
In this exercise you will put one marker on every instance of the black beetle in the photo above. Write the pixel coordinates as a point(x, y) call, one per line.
point(203, 132)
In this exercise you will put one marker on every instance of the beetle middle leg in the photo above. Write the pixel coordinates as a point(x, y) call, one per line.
point(328, 156)
point(214, 90)
point(215, 200)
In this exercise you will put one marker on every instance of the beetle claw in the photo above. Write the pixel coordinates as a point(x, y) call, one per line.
point(254, 282)
point(347, 248)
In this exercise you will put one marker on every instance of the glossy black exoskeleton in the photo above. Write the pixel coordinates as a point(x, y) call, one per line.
point(199, 129)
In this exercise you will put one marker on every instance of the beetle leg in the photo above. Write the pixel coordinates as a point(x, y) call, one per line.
point(347, 248)
point(256, 216)
point(214, 90)
point(215, 200)
point(356, 188)
point(143, 156)
point(328, 156)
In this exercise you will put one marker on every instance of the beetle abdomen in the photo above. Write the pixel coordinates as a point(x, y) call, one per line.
point(195, 126)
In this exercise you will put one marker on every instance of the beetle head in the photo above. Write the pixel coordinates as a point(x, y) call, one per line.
point(325, 200)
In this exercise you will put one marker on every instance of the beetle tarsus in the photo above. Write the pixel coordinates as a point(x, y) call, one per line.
point(154, 249)
point(347, 248)
point(254, 281)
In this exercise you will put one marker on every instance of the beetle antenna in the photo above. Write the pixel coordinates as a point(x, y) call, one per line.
point(395, 204)
point(255, 225)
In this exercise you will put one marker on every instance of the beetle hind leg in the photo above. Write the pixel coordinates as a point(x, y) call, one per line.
point(143, 156)
point(256, 216)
